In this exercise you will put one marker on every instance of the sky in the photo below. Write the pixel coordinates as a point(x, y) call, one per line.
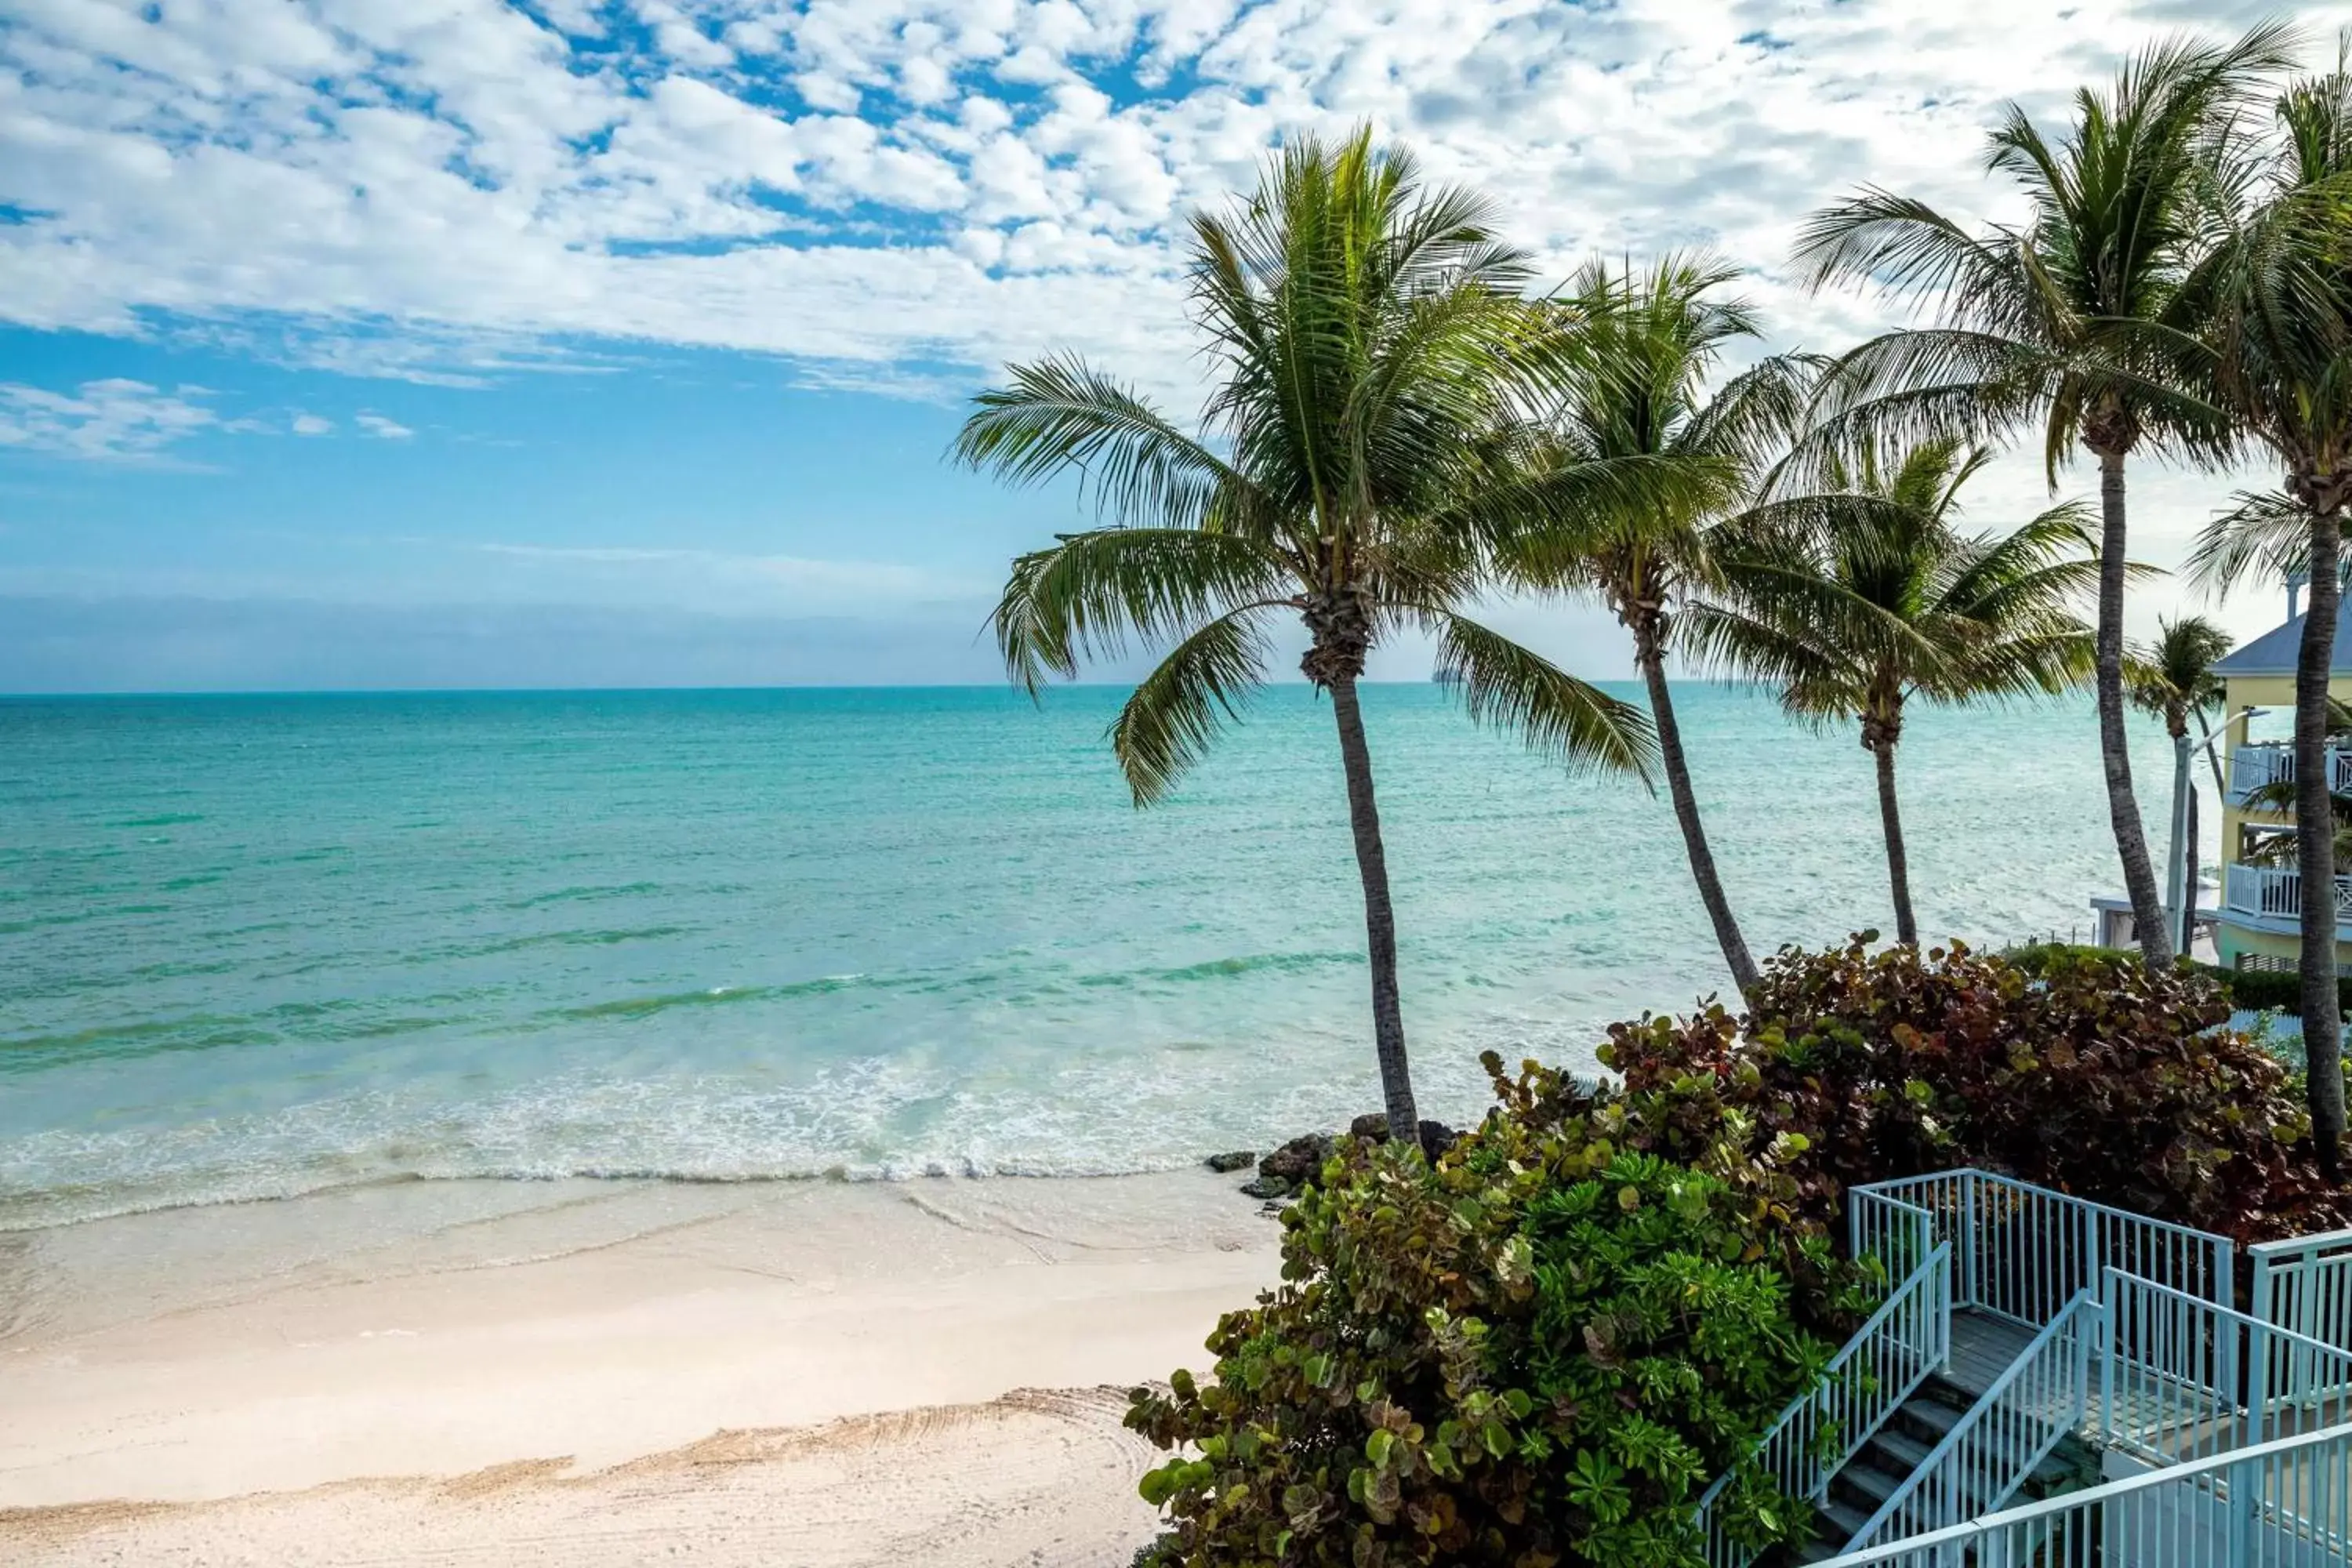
point(363, 343)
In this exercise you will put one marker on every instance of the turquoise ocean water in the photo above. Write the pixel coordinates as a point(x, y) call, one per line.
point(254, 946)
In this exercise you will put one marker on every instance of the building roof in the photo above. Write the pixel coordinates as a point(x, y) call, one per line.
point(2273, 652)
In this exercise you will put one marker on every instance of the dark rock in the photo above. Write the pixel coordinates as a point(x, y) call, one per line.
point(1239, 1160)
point(1435, 1136)
point(1298, 1161)
point(1267, 1187)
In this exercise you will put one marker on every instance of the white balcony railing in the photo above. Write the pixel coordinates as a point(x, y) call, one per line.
point(2276, 892)
point(2273, 762)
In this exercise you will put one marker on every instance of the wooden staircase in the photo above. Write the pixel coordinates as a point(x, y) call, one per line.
point(2027, 1335)
point(1898, 1448)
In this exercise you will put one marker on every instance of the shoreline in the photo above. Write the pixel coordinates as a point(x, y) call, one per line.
point(243, 1357)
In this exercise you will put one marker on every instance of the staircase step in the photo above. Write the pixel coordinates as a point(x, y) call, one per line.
point(1941, 1390)
point(1896, 1452)
point(2046, 1476)
point(1844, 1520)
point(1926, 1420)
point(1862, 1481)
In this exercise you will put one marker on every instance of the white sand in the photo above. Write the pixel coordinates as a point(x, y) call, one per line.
point(619, 1373)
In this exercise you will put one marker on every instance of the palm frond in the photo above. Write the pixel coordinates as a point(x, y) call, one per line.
point(1851, 600)
point(1059, 416)
point(1090, 592)
point(2036, 322)
point(1175, 714)
point(1512, 687)
point(1897, 242)
point(2173, 677)
point(2261, 534)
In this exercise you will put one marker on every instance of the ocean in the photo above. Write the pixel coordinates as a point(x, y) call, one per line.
point(258, 946)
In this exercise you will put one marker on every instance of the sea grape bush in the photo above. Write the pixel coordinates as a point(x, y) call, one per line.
point(1538, 1350)
point(2085, 1073)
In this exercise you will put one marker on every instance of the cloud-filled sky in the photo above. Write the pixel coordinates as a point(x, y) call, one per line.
point(627, 336)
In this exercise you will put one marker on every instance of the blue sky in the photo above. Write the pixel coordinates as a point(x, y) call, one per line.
point(390, 343)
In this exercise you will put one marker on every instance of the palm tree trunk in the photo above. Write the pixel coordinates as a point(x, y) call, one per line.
point(2115, 755)
point(2323, 1024)
point(1652, 658)
point(1898, 863)
point(2178, 896)
point(1379, 917)
point(2189, 915)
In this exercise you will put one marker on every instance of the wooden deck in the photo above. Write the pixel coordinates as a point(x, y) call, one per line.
point(1983, 1347)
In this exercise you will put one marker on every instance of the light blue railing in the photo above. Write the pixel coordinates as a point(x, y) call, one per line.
point(1872, 1373)
point(2304, 1284)
point(2186, 1379)
point(2136, 1343)
point(1979, 1464)
point(2023, 1253)
point(2285, 1504)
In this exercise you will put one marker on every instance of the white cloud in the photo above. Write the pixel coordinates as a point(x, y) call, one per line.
point(382, 426)
point(365, 172)
point(901, 195)
point(312, 424)
point(101, 419)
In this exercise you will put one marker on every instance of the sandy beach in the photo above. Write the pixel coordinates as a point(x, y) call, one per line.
point(594, 1373)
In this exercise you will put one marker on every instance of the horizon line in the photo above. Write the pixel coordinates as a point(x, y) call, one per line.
point(134, 695)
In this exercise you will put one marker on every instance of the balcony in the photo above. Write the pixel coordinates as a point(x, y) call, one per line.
point(2276, 893)
point(2273, 762)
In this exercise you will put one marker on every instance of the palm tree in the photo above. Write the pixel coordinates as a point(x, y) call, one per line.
point(1859, 599)
point(1368, 345)
point(2172, 679)
point(1648, 346)
point(2039, 320)
point(2281, 796)
point(2277, 355)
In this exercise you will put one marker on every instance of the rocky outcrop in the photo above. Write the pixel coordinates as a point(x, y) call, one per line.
point(1435, 1136)
point(1300, 1162)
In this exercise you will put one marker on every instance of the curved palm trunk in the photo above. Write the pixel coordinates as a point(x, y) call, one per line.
point(2115, 755)
point(1379, 917)
point(2323, 1024)
point(1650, 658)
point(1898, 863)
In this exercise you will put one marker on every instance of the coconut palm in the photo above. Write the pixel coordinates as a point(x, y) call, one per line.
point(2281, 796)
point(1648, 344)
point(1368, 345)
point(2173, 678)
point(2038, 319)
point(1858, 600)
point(2276, 353)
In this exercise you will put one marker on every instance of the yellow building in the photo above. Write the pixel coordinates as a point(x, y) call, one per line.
point(2260, 921)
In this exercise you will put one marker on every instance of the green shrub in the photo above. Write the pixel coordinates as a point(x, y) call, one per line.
point(2269, 990)
point(1538, 1350)
point(2255, 990)
point(2088, 1076)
